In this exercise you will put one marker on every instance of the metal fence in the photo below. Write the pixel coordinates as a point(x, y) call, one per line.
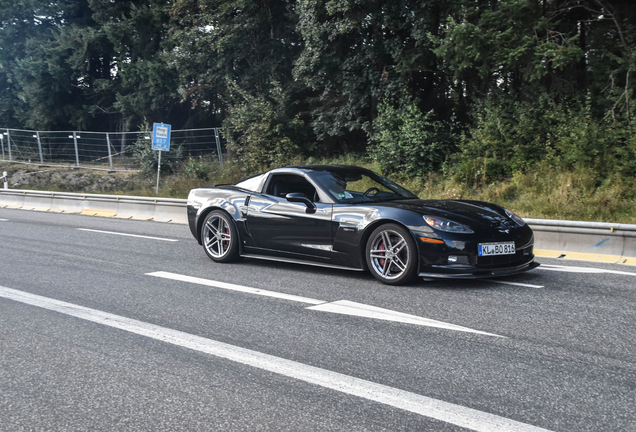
point(111, 151)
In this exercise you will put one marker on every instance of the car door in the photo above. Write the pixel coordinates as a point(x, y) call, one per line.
point(277, 224)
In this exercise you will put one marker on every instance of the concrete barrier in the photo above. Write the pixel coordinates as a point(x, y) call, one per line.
point(66, 203)
point(11, 200)
point(169, 211)
point(119, 206)
point(593, 241)
point(590, 241)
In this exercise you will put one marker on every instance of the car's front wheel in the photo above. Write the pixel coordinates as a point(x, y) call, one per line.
point(392, 255)
point(220, 237)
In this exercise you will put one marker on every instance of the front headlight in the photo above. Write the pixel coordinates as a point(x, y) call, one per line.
point(446, 225)
point(515, 218)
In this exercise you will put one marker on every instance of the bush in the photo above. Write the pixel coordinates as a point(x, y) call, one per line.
point(199, 168)
point(408, 142)
point(515, 136)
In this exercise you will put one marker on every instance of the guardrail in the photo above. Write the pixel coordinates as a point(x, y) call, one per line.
point(595, 241)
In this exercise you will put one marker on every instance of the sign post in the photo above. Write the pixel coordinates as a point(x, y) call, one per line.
point(160, 141)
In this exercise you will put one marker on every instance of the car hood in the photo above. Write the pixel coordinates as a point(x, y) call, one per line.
point(471, 213)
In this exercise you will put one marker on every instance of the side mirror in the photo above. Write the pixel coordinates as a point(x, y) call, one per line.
point(301, 198)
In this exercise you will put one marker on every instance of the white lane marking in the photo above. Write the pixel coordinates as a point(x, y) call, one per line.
point(514, 283)
point(428, 407)
point(342, 306)
point(347, 307)
point(572, 269)
point(232, 287)
point(127, 235)
point(4, 220)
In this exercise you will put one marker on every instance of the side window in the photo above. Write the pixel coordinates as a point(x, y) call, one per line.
point(282, 184)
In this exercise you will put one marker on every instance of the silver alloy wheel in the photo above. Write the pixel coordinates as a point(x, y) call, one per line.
point(389, 254)
point(217, 237)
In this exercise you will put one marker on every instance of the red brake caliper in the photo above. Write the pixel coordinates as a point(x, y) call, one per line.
point(382, 260)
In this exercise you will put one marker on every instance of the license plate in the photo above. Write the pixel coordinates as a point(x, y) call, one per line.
point(488, 249)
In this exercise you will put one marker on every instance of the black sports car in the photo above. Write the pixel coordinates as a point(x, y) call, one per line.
point(350, 217)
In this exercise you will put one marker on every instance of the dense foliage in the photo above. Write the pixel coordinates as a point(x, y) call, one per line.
point(479, 90)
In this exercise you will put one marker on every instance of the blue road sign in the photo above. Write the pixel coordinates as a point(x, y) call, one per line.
point(161, 137)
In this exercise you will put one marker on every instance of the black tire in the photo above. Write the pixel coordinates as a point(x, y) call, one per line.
point(392, 255)
point(219, 237)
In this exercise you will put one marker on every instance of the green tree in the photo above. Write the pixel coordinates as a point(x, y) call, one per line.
point(357, 52)
point(58, 77)
point(262, 130)
point(27, 74)
point(610, 45)
point(143, 79)
point(239, 44)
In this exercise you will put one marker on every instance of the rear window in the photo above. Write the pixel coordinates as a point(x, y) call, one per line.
point(252, 183)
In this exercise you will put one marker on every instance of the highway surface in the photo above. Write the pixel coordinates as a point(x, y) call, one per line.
point(123, 325)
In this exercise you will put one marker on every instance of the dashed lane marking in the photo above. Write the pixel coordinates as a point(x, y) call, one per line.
point(343, 307)
point(347, 307)
point(513, 283)
point(422, 405)
point(127, 235)
point(233, 287)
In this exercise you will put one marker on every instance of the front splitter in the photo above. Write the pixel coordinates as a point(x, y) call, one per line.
point(480, 274)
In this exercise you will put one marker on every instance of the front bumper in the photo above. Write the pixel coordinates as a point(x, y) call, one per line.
point(471, 272)
point(467, 264)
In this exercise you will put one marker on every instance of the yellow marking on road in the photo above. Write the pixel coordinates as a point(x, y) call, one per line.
point(547, 253)
point(583, 256)
point(104, 213)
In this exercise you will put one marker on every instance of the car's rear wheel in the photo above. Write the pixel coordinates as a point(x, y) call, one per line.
point(392, 255)
point(220, 237)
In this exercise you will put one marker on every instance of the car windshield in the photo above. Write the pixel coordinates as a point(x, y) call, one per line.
point(356, 185)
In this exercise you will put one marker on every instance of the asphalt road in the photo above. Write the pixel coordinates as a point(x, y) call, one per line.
point(92, 337)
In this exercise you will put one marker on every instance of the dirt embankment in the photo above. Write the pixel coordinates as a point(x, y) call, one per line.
point(65, 179)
